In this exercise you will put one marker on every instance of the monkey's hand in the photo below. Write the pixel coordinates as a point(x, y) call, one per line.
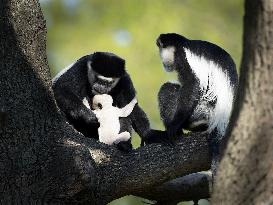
point(174, 129)
point(87, 115)
point(124, 146)
point(157, 136)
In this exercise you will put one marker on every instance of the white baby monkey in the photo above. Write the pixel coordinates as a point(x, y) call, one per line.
point(108, 117)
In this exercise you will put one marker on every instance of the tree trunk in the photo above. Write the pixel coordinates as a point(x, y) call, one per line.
point(246, 171)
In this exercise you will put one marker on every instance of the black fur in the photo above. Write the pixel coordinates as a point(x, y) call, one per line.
point(177, 102)
point(73, 86)
point(108, 64)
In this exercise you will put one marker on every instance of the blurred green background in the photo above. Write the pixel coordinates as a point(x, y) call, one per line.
point(129, 29)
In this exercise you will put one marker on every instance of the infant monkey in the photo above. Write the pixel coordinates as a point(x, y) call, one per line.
point(108, 117)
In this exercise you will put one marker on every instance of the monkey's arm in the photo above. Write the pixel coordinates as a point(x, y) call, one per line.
point(126, 111)
point(73, 107)
point(138, 117)
point(189, 95)
point(141, 125)
point(140, 121)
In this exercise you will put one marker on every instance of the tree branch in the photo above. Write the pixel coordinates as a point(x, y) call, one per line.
point(119, 174)
point(192, 187)
point(152, 165)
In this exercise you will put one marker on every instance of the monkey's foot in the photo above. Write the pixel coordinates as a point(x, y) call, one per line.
point(157, 136)
point(125, 146)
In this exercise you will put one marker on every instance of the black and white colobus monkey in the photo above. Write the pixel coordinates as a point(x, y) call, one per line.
point(204, 97)
point(98, 73)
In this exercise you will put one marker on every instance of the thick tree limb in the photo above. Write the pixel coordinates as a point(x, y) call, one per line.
point(42, 158)
point(194, 187)
point(152, 165)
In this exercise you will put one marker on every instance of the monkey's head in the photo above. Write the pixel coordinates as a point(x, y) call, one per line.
point(168, 45)
point(102, 101)
point(104, 71)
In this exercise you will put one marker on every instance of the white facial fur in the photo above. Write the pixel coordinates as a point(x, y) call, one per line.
point(105, 78)
point(167, 57)
point(216, 85)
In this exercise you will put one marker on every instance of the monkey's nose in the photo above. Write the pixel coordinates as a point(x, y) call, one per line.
point(158, 42)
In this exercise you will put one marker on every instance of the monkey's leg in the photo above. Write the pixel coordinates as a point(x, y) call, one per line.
point(168, 99)
point(214, 148)
point(124, 136)
point(124, 145)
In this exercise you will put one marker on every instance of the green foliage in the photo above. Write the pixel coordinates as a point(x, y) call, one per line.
point(130, 28)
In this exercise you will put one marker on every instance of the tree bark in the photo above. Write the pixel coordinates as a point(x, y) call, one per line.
point(246, 171)
point(43, 160)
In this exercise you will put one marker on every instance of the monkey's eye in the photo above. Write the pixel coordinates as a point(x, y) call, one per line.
point(100, 106)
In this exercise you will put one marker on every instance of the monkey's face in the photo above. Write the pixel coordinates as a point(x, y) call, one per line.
point(167, 58)
point(104, 72)
point(102, 101)
point(168, 45)
point(104, 85)
point(101, 84)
